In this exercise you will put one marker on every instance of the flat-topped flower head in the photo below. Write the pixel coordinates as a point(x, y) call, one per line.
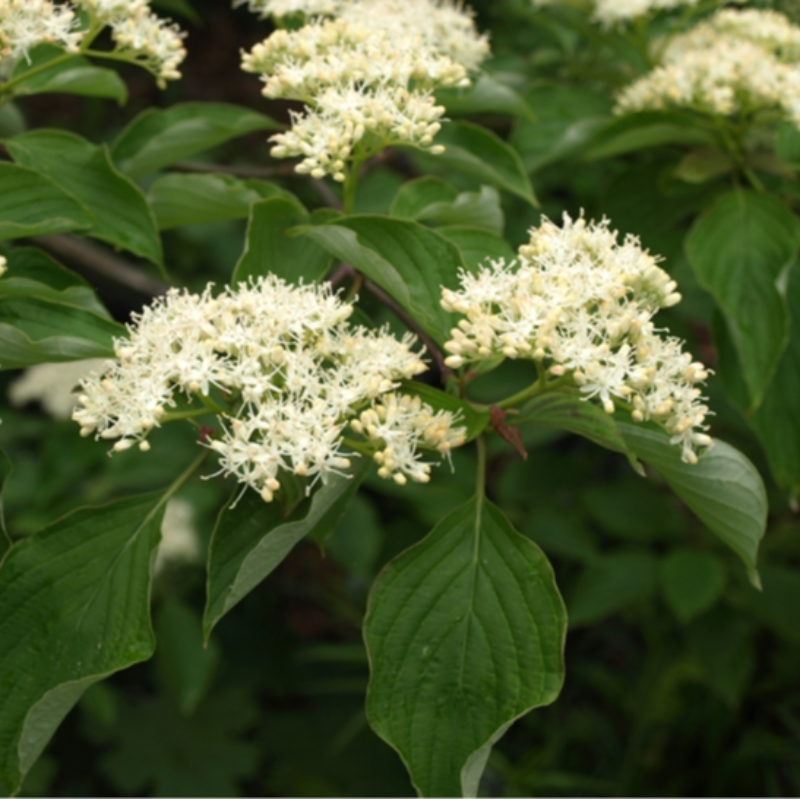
point(291, 372)
point(580, 304)
point(364, 90)
point(24, 24)
point(366, 77)
point(734, 63)
point(445, 27)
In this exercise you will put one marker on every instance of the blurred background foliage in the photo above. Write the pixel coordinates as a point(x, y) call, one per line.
point(681, 679)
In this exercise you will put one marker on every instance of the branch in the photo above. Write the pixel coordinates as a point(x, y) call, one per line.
point(412, 324)
point(100, 262)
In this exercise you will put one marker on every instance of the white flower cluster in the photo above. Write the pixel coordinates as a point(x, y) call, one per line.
point(615, 12)
point(154, 43)
point(736, 62)
point(581, 306)
point(24, 24)
point(367, 78)
point(294, 373)
point(444, 26)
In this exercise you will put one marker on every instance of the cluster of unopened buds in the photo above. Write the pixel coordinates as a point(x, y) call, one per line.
point(366, 77)
point(580, 305)
point(285, 375)
point(137, 33)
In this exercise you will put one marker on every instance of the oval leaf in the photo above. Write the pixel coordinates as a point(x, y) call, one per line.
point(487, 95)
point(180, 199)
point(156, 138)
point(32, 205)
point(724, 489)
point(5, 471)
point(570, 413)
point(477, 151)
point(76, 76)
point(33, 273)
point(253, 537)
point(692, 582)
point(740, 250)
point(476, 245)
point(409, 261)
point(465, 633)
point(268, 248)
point(74, 608)
point(122, 215)
point(34, 331)
point(610, 584)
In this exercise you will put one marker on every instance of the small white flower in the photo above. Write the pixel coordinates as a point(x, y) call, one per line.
point(580, 304)
point(24, 24)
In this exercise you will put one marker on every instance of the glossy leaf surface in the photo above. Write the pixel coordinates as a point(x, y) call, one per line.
point(74, 608)
point(465, 632)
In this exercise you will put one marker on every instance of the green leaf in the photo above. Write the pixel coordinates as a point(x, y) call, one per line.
point(700, 166)
point(777, 605)
point(777, 419)
point(570, 413)
point(415, 197)
point(159, 752)
point(406, 259)
point(76, 76)
point(180, 199)
point(740, 250)
point(646, 130)
point(566, 119)
point(34, 331)
point(33, 273)
point(253, 537)
point(610, 584)
point(465, 633)
point(184, 664)
point(476, 245)
point(477, 151)
point(692, 582)
point(74, 608)
point(474, 419)
point(158, 138)
point(487, 95)
point(787, 145)
point(12, 120)
point(433, 201)
point(32, 205)
point(5, 471)
point(722, 643)
point(122, 215)
point(269, 248)
point(724, 489)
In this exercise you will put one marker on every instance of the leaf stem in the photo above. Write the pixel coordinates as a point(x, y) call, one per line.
point(189, 414)
point(480, 483)
point(5, 88)
point(350, 184)
point(182, 478)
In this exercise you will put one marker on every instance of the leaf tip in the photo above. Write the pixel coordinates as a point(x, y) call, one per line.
point(755, 579)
